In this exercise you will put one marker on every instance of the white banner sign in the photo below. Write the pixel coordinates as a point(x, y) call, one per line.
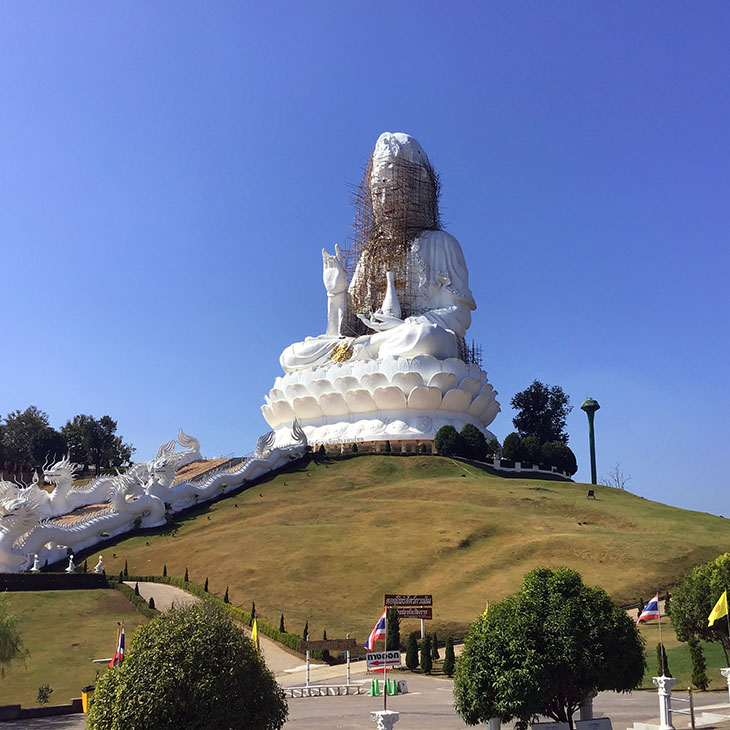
point(380, 659)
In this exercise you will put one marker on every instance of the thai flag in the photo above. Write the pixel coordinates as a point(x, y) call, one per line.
point(377, 633)
point(651, 610)
point(118, 657)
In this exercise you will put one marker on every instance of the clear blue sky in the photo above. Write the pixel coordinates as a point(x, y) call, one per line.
point(169, 172)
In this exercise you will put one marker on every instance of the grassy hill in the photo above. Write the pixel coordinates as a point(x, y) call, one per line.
point(323, 541)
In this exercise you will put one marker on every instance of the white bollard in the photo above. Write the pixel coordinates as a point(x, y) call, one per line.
point(385, 719)
point(664, 686)
point(726, 673)
point(494, 723)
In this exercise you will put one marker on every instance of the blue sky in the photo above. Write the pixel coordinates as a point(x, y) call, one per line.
point(169, 172)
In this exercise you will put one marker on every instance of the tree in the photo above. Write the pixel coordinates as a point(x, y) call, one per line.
point(447, 441)
point(44, 694)
point(474, 443)
point(388, 448)
point(662, 661)
point(305, 633)
point(253, 613)
point(493, 447)
point(189, 668)
point(512, 447)
point(695, 597)
point(164, 570)
point(615, 478)
point(558, 454)
point(426, 661)
point(186, 578)
point(532, 449)
point(94, 441)
point(47, 445)
point(325, 652)
point(699, 665)
point(354, 448)
point(226, 599)
point(412, 652)
point(435, 647)
point(11, 643)
point(545, 650)
point(449, 658)
point(18, 431)
point(281, 624)
point(205, 587)
point(126, 570)
point(541, 412)
point(151, 602)
point(393, 629)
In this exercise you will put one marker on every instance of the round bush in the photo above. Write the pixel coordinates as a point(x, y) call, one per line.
point(188, 669)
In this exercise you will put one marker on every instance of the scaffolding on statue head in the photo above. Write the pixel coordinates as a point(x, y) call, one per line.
point(383, 243)
point(470, 354)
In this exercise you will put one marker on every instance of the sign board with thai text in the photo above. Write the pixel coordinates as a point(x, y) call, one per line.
point(331, 644)
point(411, 600)
point(381, 659)
point(550, 726)
point(597, 723)
point(414, 612)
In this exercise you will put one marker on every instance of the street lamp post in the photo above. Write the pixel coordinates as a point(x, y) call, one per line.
point(590, 406)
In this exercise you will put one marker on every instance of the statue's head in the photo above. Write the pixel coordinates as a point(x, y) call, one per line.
point(403, 185)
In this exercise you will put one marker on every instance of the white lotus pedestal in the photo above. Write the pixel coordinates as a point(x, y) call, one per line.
point(395, 398)
point(664, 686)
point(385, 719)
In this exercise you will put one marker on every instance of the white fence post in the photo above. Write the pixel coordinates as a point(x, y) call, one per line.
point(726, 673)
point(494, 723)
point(664, 687)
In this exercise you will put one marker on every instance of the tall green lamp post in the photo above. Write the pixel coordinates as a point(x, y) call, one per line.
point(590, 406)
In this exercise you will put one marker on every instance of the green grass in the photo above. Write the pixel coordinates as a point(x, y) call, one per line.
point(323, 542)
point(64, 631)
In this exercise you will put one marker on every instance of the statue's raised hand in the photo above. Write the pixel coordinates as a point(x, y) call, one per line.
point(333, 272)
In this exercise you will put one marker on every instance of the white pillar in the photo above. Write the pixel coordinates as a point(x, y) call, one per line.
point(423, 629)
point(664, 686)
point(347, 654)
point(385, 719)
point(726, 673)
point(494, 723)
point(307, 668)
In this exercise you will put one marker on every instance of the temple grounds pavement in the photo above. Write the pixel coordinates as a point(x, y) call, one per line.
point(428, 705)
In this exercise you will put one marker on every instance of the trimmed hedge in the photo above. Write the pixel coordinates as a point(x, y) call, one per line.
point(139, 603)
point(51, 581)
point(293, 641)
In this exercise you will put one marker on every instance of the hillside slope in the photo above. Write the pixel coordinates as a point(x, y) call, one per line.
point(323, 541)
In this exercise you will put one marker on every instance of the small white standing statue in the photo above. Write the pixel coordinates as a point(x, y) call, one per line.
point(36, 565)
point(70, 568)
point(99, 567)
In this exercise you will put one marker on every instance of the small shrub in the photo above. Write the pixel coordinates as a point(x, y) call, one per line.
point(325, 652)
point(388, 449)
point(412, 652)
point(187, 577)
point(126, 570)
point(225, 596)
point(435, 648)
point(662, 663)
point(253, 613)
point(321, 450)
point(305, 633)
point(44, 694)
point(281, 624)
point(136, 589)
point(422, 449)
point(426, 661)
point(151, 603)
point(699, 665)
point(354, 448)
point(205, 587)
point(449, 658)
point(164, 570)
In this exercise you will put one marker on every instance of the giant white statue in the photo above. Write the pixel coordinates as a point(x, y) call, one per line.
point(392, 362)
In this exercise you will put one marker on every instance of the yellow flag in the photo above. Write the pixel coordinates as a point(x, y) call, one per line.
point(720, 609)
point(255, 635)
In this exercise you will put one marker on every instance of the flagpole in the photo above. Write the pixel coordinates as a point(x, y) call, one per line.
point(385, 668)
point(661, 643)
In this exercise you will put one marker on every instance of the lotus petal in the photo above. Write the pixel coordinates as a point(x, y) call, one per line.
point(487, 390)
point(345, 383)
point(333, 404)
point(391, 365)
point(479, 405)
point(277, 394)
point(406, 381)
point(426, 365)
point(471, 385)
point(475, 371)
point(268, 414)
point(371, 381)
point(490, 413)
point(389, 398)
point(360, 401)
point(283, 412)
point(319, 386)
point(457, 367)
point(456, 400)
point(306, 407)
point(424, 398)
point(444, 381)
point(294, 390)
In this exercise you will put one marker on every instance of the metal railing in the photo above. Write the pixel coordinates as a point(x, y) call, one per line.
point(690, 711)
